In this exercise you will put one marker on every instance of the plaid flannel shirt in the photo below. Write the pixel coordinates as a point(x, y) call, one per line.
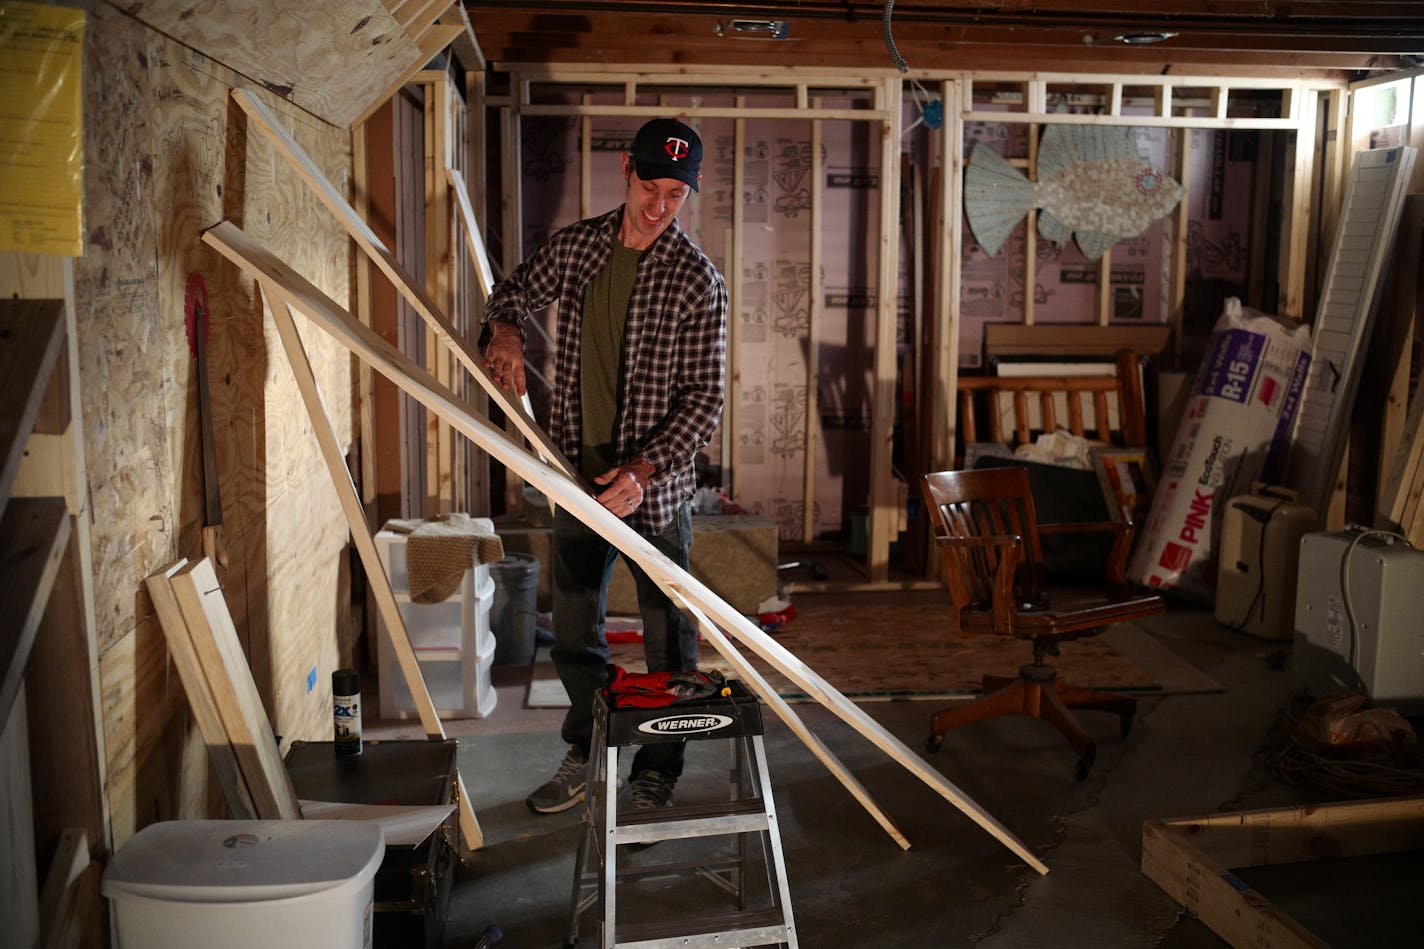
point(674, 351)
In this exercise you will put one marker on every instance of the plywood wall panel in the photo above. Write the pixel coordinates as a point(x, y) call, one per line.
point(167, 155)
point(332, 58)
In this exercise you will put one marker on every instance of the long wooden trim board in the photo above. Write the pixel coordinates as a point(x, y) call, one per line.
point(229, 240)
point(215, 642)
point(376, 576)
point(200, 696)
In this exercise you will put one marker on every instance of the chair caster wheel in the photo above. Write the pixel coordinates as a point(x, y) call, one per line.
point(933, 743)
point(1085, 764)
point(1125, 725)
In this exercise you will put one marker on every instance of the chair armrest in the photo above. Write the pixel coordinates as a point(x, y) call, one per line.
point(1009, 547)
point(1116, 567)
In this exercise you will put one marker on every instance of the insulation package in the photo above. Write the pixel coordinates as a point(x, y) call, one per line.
point(1235, 431)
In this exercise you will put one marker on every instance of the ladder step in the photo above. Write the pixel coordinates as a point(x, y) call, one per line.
point(691, 820)
point(750, 928)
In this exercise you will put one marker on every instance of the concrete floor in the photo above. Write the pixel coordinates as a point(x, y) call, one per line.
point(853, 888)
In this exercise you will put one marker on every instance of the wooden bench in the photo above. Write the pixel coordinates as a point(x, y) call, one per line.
point(1108, 409)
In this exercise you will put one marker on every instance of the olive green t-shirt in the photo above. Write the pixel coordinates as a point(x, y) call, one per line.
point(605, 313)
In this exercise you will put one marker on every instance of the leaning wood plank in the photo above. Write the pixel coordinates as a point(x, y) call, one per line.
point(33, 535)
point(793, 721)
point(200, 598)
point(62, 912)
point(276, 277)
point(31, 332)
point(473, 242)
point(200, 695)
point(372, 246)
point(376, 576)
point(1215, 895)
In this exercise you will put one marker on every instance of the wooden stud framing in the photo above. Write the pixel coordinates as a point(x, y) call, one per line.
point(731, 407)
point(278, 279)
point(1169, 95)
point(813, 333)
point(31, 339)
point(1191, 858)
point(34, 533)
point(885, 512)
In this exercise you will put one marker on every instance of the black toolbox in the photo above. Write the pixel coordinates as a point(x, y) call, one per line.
point(412, 886)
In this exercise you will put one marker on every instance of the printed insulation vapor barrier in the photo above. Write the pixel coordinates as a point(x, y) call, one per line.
point(1235, 431)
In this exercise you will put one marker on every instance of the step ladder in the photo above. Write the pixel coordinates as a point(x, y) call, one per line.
point(749, 812)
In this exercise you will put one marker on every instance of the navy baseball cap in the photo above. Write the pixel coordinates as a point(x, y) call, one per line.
point(665, 148)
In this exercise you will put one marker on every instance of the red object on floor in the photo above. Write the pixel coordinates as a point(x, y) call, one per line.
point(779, 618)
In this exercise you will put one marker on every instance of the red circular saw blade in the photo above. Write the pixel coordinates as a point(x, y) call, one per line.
point(195, 309)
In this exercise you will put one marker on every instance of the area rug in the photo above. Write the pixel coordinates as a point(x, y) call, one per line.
point(898, 652)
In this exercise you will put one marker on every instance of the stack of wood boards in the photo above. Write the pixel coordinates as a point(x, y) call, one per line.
point(215, 674)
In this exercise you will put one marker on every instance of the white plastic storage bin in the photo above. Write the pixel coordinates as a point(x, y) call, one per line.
point(210, 884)
point(452, 640)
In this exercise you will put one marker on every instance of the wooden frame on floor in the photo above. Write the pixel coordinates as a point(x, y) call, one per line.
point(1191, 858)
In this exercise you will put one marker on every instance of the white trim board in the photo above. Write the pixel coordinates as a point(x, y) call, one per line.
point(1340, 333)
point(294, 289)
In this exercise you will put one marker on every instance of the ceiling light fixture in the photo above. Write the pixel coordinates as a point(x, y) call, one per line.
point(773, 29)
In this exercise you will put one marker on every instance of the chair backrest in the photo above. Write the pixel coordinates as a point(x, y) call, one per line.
point(981, 518)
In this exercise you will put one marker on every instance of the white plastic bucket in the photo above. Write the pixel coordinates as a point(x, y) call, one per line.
point(299, 884)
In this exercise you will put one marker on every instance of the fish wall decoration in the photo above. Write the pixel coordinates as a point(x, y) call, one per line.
point(1093, 184)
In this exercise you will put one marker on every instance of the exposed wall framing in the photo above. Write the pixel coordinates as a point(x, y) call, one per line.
point(1180, 103)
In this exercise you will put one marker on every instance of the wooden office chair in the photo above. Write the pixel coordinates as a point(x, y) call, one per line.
point(988, 540)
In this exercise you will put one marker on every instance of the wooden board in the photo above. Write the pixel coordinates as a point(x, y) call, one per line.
point(30, 335)
point(369, 243)
point(19, 896)
point(62, 911)
point(200, 696)
point(200, 599)
point(1191, 858)
point(279, 279)
point(376, 576)
point(335, 59)
point(33, 537)
point(1342, 323)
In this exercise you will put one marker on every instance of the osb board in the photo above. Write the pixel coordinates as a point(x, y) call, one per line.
point(332, 58)
point(167, 157)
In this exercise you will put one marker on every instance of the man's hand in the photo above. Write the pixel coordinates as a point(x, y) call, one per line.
point(626, 484)
point(504, 356)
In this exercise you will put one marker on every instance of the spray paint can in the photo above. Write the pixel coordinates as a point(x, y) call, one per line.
point(346, 710)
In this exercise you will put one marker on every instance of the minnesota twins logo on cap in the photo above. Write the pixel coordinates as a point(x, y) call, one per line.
point(666, 148)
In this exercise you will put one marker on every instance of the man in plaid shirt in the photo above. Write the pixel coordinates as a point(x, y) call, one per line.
point(638, 383)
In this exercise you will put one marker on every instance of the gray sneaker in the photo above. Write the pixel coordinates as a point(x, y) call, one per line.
point(651, 790)
point(564, 789)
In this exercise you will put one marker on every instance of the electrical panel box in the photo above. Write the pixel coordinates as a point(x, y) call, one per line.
point(1357, 618)
point(1258, 561)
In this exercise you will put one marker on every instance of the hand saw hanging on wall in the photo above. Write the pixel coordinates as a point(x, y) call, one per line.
point(195, 319)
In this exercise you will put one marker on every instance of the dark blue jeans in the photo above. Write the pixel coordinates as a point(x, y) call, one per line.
point(583, 564)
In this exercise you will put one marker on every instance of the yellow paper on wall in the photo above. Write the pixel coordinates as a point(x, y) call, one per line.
point(41, 129)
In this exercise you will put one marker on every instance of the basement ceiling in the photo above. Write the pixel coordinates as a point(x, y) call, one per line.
point(1242, 37)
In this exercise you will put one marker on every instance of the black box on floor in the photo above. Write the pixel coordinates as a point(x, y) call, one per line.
point(412, 886)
